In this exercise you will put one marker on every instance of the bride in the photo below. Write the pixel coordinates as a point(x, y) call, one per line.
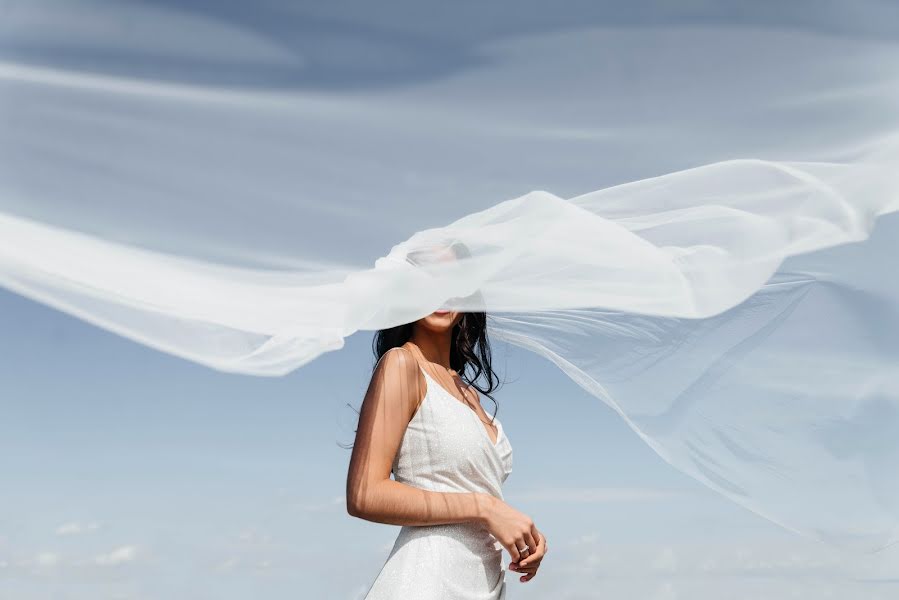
point(422, 421)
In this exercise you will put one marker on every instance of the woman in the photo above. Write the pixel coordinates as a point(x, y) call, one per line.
point(422, 421)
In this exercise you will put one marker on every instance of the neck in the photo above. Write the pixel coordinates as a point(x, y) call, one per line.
point(435, 347)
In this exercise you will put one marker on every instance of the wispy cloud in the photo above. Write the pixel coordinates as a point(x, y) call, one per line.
point(592, 495)
point(228, 564)
point(254, 536)
point(76, 528)
point(119, 556)
point(779, 567)
point(46, 559)
point(335, 503)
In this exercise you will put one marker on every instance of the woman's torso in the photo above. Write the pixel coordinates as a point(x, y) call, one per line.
point(447, 448)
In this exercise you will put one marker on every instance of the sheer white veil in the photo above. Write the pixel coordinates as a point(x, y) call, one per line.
point(245, 188)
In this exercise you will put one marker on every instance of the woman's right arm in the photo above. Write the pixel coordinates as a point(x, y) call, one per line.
point(393, 395)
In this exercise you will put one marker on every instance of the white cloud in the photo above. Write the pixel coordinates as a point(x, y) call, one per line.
point(228, 564)
point(335, 503)
point(665, 591)
point(666, 561)
point(254, 536)
point(76, 528)
point(594, 495)
point(777, 567)
point(46, 559)
point(119, 556)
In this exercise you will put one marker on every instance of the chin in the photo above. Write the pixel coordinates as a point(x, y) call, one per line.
point(441, 320)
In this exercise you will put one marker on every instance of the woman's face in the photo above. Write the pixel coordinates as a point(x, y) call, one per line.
point(440, 321)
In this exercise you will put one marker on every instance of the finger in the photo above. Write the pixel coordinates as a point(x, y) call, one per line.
point(532, 544)
point(536, 545)
point(526, 570)
point(512, 549)
point(525, 552)
point(541, 545)
point(520, 567)
point(528, 555)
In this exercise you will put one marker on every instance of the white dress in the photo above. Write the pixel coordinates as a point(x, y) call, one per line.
point(446, 448)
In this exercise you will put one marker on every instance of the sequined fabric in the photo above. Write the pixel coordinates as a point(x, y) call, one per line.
point(446, 448)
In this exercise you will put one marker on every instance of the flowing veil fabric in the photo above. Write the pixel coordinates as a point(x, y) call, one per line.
point(245, 188)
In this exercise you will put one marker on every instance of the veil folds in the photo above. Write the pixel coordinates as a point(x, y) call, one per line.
point(208, 182)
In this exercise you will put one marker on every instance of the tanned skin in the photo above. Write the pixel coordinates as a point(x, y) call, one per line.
point(397, 388)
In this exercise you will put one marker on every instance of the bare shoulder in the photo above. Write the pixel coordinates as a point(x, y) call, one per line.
point(398, 360)
point(398, 374)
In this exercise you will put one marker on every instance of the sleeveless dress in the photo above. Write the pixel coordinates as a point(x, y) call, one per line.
point(446, 448)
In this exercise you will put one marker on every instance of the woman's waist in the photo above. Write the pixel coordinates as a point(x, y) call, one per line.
point(470, 535)
point(435, 482)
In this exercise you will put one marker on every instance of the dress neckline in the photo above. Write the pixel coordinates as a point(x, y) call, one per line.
point(480, 424)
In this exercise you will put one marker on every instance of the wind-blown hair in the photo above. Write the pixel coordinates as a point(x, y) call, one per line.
point(470, 352)
point(469, 348)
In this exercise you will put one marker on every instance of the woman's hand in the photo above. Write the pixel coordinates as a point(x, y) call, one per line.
point(515, 530)
point(531, 563)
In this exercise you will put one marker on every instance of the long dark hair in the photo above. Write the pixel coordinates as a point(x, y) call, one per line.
point(470, 353)
point(469, 346)
point(469, 350)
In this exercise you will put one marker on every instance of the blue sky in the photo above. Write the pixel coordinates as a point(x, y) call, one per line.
point(129, 474)
point(133, 474)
